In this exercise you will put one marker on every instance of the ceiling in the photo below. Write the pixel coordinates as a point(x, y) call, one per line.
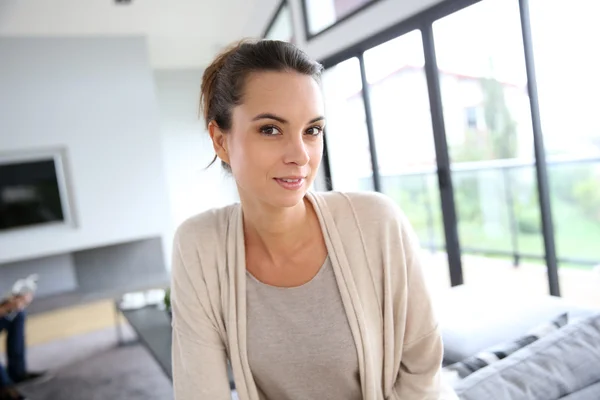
point(180, 33)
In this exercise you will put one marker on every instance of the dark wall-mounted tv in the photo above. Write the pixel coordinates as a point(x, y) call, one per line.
point(31, 192)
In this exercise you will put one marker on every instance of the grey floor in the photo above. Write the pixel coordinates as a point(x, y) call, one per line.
point(94, 367)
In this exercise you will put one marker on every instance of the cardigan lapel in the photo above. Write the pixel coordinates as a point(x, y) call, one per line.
point(349, 293)
point(236, 265)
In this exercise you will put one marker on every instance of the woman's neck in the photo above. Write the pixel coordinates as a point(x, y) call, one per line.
point(279, 231)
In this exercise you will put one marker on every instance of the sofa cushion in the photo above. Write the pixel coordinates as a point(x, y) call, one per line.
point(555, 366)
point(591, 392)
point(462, 369)
point(473, 319)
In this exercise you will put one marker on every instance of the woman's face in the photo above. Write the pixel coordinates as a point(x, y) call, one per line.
point(276, 141)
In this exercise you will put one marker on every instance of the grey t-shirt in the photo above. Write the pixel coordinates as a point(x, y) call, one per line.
point(300, 346)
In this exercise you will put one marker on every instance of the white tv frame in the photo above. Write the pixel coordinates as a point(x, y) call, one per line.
point(59, 156)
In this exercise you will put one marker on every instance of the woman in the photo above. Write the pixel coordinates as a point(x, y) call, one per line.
point(308, 295)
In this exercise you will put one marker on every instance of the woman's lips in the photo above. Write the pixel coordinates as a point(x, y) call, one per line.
point(293, 183)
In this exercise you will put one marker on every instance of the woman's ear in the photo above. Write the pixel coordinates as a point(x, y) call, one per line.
point(219, 141)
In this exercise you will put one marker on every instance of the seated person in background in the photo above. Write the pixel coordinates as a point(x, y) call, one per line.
point(12, 319)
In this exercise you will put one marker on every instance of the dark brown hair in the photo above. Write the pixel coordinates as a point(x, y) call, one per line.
point(223, 81)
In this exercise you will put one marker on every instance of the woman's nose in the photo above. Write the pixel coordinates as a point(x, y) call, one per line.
point(296, 151)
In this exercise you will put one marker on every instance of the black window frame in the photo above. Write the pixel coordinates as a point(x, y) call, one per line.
point(273, 18)
point(310, 36)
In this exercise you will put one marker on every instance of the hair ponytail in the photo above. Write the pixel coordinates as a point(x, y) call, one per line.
point(210, 79)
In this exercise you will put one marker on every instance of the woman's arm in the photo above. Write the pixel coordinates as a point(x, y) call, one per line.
point(420, 370)
point(198, 352)
point(6, 307)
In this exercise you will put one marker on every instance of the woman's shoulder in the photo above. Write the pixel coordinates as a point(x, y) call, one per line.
point(374, 214)
point(363, 204)
point(205, 227)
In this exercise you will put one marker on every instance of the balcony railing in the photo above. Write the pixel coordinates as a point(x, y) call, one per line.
point(498, 211)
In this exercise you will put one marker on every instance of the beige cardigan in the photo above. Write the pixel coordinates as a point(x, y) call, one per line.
point(375, 258)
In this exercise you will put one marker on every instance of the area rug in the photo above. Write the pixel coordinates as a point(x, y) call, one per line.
point(95, 367)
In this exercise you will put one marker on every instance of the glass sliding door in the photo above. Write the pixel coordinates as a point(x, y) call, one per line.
point(488, 126)
point(404, 143)
point(568, 83)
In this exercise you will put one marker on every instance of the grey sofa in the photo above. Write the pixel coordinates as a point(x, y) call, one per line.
point(563, 365)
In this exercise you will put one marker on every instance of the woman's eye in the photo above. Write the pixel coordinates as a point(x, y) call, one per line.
point(270, 130)
point(314, 131)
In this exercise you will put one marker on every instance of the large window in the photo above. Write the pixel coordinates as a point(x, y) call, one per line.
point(346, 130)
point(321, 14)
point(403, 132)
point(404, 138)
point(472, 117)
point(568, 82)
point(281, 26)
point(487, 118)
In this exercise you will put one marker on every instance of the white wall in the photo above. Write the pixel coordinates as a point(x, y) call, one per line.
point(187, 150)
point(370, 21)
point(179, 34)
point(95, 98)
point(56, 274)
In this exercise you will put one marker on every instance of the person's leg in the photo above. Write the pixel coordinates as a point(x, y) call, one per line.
point(4, 378)
point(8, 390)
point(15, 347)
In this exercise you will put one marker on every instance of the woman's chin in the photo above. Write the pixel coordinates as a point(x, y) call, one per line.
point(275, 197)
point(291, 200)
point(286, 199)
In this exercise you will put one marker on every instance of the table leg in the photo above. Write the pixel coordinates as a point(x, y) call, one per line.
point(120, 340)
